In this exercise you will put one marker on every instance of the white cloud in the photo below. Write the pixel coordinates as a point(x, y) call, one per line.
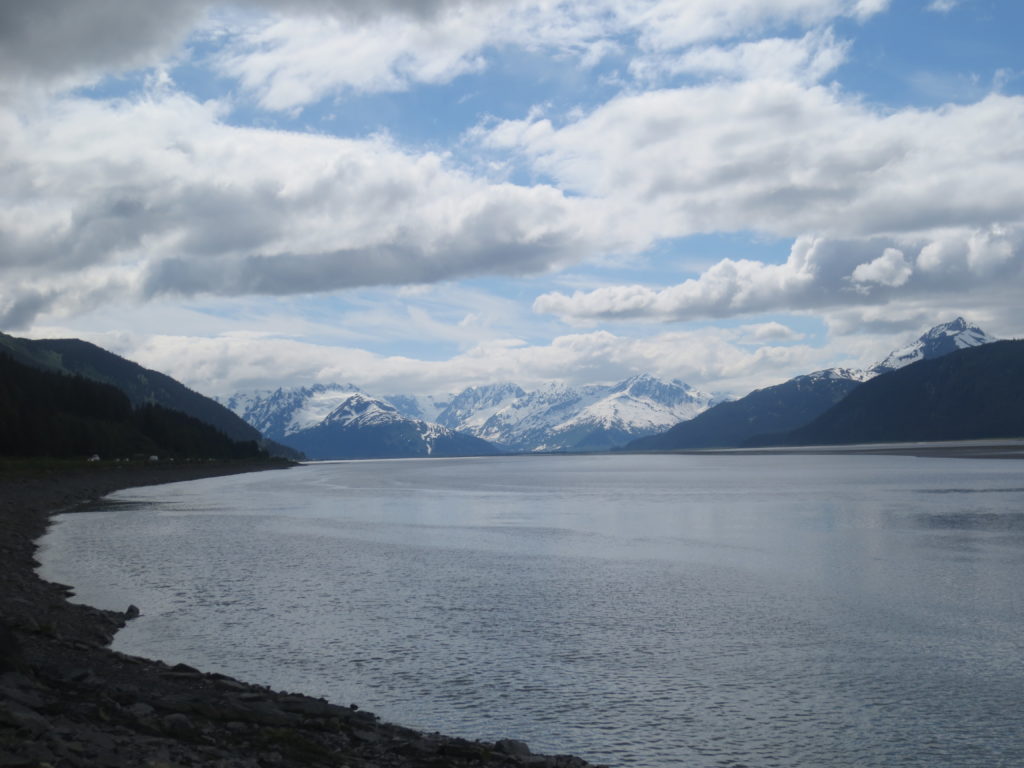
point(289, 61)
point(158, 196)
point(291, 52)
point(730, 287)
point(891, 268)
point(55, 43)
point(816, 276)
point(292, 61)
point(782, 158)
point(943, 6)
point(715, 359)
point(773, 330)
point(808, 59)
point(680, 23)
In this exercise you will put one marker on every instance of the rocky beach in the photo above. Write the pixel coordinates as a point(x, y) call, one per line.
point(66, 699)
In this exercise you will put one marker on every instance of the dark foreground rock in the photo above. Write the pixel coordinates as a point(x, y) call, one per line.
point(68, 700)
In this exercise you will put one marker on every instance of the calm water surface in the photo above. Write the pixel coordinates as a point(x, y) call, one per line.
point(635, 610)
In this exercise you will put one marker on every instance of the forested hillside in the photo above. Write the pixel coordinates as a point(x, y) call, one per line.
point(142, 385)
point(44, 413)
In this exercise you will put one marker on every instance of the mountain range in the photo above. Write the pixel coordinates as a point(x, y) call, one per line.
point(968, 394)
point(340, 421)
point(142, 410)
point(641, 413)
point(780, 409)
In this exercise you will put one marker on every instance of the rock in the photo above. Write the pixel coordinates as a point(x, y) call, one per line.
point(231, 685)
point(177, 724)
point(141, 709)
point(513, 747)
point(132, 612)
point(82, 676)
point(16, 687)
point(23, 718)
point(305, 706)
point(10, 650)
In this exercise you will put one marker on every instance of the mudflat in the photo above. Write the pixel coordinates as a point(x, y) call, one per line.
point(66, 699)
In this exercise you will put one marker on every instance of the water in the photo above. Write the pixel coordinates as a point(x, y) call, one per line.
point(635, 610)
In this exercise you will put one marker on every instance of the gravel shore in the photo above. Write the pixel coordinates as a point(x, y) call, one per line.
point(66, 699)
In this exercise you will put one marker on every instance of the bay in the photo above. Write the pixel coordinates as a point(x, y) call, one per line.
point(636, 610)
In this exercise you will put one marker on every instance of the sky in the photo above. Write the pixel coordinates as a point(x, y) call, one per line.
point(416, 196)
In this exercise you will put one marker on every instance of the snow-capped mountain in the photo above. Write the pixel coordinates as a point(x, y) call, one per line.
point(278, 413)
point(426, 407)
point(341, 422)
point(939, 341)
point(552, 418)
point(557, 417)
point(936, 342)
point(782, 408)
point(365, 427)
point(474, 407)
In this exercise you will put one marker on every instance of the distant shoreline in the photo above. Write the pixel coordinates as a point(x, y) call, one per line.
point(946, 449)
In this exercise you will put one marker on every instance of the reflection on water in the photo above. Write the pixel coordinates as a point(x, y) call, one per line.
point(649, 611)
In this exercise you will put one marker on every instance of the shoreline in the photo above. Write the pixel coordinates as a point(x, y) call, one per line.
point(1010, 448)
point(67, 699)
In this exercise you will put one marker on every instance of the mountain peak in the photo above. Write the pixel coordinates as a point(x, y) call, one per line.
point(936, 342)
point(360, 407)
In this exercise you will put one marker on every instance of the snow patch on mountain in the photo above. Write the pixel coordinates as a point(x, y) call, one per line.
point(936, 342)
point(355, 410)
point(838, 374)
point(475, 406)
point(558, 417)
point(939, 341)
point(425, 407)
point(280, 412)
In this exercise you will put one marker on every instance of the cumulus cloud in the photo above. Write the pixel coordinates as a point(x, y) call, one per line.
point(891, 268)
point(289, 61)
point(760, 333)
point(65, 44)
point(807, 59)
point(679, 23)
point(779, 157)
point(291, 52)
point(715, 359)
point(160, 196)
point(819, 273)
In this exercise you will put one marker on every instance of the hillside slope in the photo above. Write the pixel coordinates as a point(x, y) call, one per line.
point(774, 409)
point(968, 394)
point(141, 385)
point(787, 406)
point(45, 413)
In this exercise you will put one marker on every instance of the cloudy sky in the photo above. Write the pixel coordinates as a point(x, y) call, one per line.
point(420, 195)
